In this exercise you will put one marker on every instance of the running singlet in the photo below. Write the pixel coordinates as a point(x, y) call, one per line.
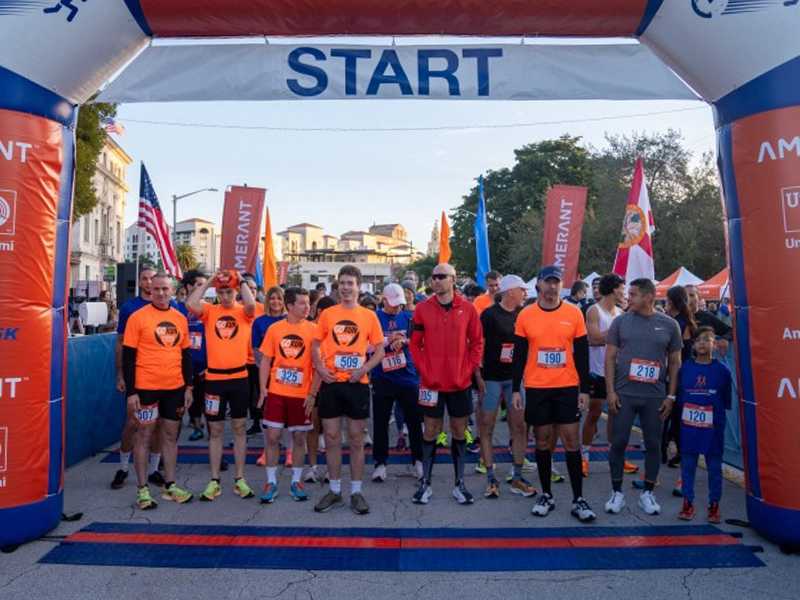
point(550, 335)
point(289, 347)
point(483, 302)
point(344, 334)
point(227, 341)
point(159, 337)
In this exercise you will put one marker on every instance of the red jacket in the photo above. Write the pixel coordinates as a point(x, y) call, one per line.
point(446, 346)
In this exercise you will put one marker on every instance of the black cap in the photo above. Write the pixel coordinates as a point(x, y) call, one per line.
point(550, 271)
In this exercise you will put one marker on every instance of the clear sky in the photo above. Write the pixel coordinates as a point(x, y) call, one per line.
point(343, 180)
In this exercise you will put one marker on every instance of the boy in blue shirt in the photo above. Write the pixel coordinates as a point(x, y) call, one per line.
point(705, 388)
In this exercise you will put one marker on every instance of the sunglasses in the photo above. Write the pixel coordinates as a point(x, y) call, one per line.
point(440, 276)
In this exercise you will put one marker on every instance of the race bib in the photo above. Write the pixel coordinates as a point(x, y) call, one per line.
point(348, 362)
point(196, 340)
point(428, 397)
point(289, 376)
point(698, 416)
point(394, 361)
point(147, 415)
point(212, 405)
point(507, 353)
point(646, 371)
point(552, 358)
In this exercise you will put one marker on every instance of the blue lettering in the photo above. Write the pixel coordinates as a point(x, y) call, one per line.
point(482, 55)
point(9, 334)
point(448, 73)
point(350, 70)
point(309, 70)
point(389, 58)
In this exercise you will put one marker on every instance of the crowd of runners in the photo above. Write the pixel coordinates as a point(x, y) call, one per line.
point(309, 368)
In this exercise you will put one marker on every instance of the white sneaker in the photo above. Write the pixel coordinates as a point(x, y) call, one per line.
point(543, 505)
point(418, 472)
point(379, 475)
point(616, 503)
point(582, 511)
point(529, 466)
point(405, 429)
point(367, 440)
point(647, 502)
point(311, 474)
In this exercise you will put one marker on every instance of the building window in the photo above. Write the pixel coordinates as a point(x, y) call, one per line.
point(96, 231)
point(86, 229)
point(87, 272)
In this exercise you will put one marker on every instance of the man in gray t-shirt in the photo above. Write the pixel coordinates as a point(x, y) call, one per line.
point(643, 358)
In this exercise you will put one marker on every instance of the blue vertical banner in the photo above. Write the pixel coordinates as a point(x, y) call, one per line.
point(481, 238)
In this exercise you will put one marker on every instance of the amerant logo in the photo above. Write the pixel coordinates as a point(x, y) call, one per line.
point(226, 328)
point(8, 387)
point(167, 334)
point(292, 347)
point(708, 9)
point(345, 333)
point(8, 213)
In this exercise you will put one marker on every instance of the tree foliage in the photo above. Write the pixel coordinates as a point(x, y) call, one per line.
point(90, 137)
point(186, 256)
point(685, 199)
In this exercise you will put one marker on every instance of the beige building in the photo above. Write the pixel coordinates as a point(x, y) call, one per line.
point(98, 237)
point(203, 236)
point(433, 243)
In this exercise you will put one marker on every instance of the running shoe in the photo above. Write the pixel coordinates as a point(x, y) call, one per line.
point(529, 466)
point(242, 489)
point(492, 488)
point(358, 505)
point(311, 474)
point(329, 501)
point(630, 468)
point(156, 478)
point(523, 487)
point(647, 502)
point(585, 467)
point(582, 511)
point(503, 414)
point(269, 494)
point(213, 490)
point(197, 434)
point(510, 476)
point(223, 465)
point(176, 494)
point(379, 475)
point(677, 491)
point(298, 492)
point(461, 494)
point(367, 444)
point(288, 461)
point(543, 505)
point(474, 447)
point(119, 479)
point(674, 462)
point(144, 500)
point(423, 493)
point(254, 428)
point(261, 461)
point(480, 467)
point(714, 514)
point(401, 443)
point(405, 429)
point(556, 477)
point(616, 503)
point(639, 483)
point(418, 470)
point(441, 439)
point(687, 512)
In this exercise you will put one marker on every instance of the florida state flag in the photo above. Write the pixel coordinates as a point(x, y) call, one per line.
point(635, 250)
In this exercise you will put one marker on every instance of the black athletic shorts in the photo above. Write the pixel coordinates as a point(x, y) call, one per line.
point(221, 394)
point(170, 402)
point(344, 399)
point(597, 387)
point(458, 404)
point(548, 406)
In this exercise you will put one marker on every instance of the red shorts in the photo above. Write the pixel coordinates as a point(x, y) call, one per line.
point(285, 411)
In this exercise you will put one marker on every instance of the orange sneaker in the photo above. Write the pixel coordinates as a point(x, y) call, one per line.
point(585, 467)
point(261, 461)
point(630, 468)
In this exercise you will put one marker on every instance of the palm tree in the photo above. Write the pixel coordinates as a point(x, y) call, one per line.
point(186, 256)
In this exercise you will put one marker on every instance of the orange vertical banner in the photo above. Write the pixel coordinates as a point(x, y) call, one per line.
point(444, 241)
point(270, 269)
point(563, 226)
point(241, 228)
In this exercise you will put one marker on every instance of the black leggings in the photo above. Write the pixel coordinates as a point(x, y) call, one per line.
point(384, 395)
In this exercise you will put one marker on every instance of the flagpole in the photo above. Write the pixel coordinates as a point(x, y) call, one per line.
point(138, 228)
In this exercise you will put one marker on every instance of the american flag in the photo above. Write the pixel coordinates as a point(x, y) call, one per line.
point(113, 126)
point(152, 220)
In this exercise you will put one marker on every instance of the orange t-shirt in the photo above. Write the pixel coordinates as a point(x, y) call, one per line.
point(550, 335)
point(289, 347)
point(159, 337)
point(227, 340)
point(344, 334)
point(483, 302)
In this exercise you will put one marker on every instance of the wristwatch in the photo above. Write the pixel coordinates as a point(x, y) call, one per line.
point(671, 397)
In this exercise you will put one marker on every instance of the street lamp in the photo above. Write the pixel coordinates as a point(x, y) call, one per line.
point(175, 210)
point(459, 209)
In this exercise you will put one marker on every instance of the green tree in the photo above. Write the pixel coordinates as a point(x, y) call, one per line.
point(90, 136)
point(145, 260)
point(423, 268)
point(186, 256)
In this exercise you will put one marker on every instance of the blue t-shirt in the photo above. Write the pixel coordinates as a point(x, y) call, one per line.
point(260, 326)
point(706, 394)
point(197, 336)
point(405, 376)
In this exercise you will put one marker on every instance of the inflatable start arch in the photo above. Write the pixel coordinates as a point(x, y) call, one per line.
point(742, 56)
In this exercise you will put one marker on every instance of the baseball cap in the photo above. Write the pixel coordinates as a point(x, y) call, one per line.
point(409, 285)
point(550, 271)
point(512, 282)
point(393, 295)
point(229, 279)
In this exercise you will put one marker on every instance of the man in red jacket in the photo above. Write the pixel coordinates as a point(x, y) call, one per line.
point(446, 345)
